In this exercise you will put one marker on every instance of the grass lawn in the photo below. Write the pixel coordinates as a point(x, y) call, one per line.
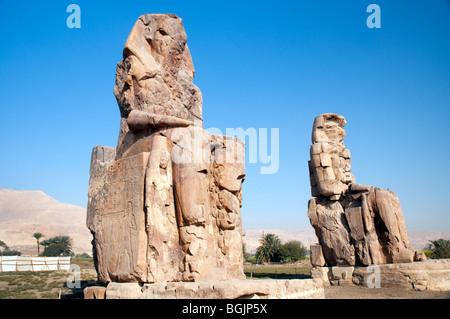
point(299, 270)
point(47, 284)
point(52, 284)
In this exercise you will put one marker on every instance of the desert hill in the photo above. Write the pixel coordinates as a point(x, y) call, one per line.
point(22, 213)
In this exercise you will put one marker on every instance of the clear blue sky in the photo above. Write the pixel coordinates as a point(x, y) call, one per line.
point(259, 64)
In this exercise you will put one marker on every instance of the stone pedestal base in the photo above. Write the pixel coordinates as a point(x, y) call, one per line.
point(431, 275)
point(94, 292)
point(264, 289)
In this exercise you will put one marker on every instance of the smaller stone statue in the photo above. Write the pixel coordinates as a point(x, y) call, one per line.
point(355, 224)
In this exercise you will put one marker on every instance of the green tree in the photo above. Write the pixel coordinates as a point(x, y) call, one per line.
point(440, 248)
point(38, 236)
point(292, 250)
point(5, 251)
point(83, 255)
point(9, 252)
point(57, 246)
point(3, 246)
point(269, 249)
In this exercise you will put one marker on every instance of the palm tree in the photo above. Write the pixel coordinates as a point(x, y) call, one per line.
point(269, 249)
point(57, 246)
point(38, 236)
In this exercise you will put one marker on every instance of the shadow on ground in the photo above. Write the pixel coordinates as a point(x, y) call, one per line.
point(266, 275)
point(77, 288)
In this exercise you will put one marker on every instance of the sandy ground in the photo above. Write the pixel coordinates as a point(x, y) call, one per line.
point(358, 292)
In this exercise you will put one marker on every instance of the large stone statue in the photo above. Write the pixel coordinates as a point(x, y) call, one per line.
point(355, 224)
point(165, 204)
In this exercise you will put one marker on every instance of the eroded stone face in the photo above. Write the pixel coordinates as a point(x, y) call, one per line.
point(330, 164)
point(156, 73)
point(155, 76)
point(355, 224)
point(165, 204)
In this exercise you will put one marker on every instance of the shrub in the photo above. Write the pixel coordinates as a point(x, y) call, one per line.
point(440, 248)
point(5, 251)
point(427, 252)
point(292, 251)
point(11, 253)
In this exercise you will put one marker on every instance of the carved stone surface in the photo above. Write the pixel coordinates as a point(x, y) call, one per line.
point(237, 289)
point(330, 164)
point(94, 292)
point(316, 255)
point(165, 204)
point(355, 224)
point(116, 217)
point(432, 275)
point(155, 77)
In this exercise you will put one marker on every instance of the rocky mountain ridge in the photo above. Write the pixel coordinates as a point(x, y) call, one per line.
point(22, 213)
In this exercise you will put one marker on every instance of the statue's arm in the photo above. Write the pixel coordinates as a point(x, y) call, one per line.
point(141, 120)
point(359, 188)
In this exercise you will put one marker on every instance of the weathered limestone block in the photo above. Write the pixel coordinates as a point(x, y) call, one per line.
point(237, 289)
point(316, 255)
point(321, 273)
point(116, 217)
point(327, 168)
point(165, 204)
point(94, 292)
point(334, 276)
point(228, 174)
point(431, 275)
point(123, 290)
point(101, 155)
point(355, 224)
point(341, 275)
point(163, 252)
point(327, 218)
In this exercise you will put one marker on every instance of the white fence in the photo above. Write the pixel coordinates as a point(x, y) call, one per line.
point(28, 263)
